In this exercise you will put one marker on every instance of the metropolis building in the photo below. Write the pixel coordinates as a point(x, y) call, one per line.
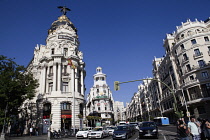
point(59, 68)
point(100, 101)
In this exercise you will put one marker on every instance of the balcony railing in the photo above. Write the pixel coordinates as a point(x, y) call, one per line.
point(198, 55)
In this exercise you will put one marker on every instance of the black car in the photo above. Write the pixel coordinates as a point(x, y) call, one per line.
point(148, 129)
point(122, 132)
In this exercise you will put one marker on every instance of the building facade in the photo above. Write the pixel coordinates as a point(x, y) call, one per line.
point(60, 70)
point(118, 111)
point(185, 70)
point(100, 101)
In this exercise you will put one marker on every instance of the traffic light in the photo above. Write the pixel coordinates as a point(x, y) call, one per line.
point(116, 85)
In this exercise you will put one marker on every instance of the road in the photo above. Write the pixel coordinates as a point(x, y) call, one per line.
point(165, 133)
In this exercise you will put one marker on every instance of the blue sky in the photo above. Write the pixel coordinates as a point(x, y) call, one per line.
point(121, 36)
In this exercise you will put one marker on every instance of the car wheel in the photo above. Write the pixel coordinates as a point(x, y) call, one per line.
point(102, 136)
point(126, 137)
point(140, 137)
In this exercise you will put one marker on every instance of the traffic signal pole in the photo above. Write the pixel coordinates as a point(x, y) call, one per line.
point(177, 112)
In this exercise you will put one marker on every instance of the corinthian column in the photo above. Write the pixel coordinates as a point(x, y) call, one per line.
point(59, 77)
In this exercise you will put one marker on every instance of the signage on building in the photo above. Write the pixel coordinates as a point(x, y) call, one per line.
point(65, 37)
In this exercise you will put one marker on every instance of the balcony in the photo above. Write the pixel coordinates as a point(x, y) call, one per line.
point(100, 97)
point(198, 55)
point(65, 74)
point(185, 60)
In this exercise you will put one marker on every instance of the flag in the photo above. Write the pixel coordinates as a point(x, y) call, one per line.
point(71, 64)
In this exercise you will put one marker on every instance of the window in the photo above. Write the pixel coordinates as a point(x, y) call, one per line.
point(206, 38)
point(65, 51)
point(65, 69)
point(51, 69)
point(50, 87)
point(185, 57)
point(65, 87)
point(193, 41)
point(52, 51)
point(205, 74)
point(197, 52)
point(105, 108)
point(201, 63)
point(99, 108)
point(65, 106)
point(209, 48)
point(188, 68)
point(191, 77)
point(182, 46)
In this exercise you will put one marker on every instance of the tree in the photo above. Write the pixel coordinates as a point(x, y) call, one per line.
point(16, 86)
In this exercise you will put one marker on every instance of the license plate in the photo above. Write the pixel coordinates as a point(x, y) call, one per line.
point(147, 135)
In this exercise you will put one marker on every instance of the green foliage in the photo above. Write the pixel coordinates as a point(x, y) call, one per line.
point(16, 85)
point(179, 114)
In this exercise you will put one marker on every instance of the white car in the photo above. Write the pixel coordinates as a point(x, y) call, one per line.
point(98, 132)
point(111, 129)
point(83, 133)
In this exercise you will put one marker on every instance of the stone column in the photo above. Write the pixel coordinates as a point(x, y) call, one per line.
point(76, 80)
point(44, 79)
point(56, 114)
point(82, 82)
point(54, 76)
point(73, 99)
point(59, 77)
point(47, 83)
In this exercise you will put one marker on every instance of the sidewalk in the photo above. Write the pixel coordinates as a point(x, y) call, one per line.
point(40, 137)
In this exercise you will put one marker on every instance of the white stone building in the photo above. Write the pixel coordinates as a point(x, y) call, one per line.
point(59, 68)
point(100, 101)
point(185, 69)
point(118, 111)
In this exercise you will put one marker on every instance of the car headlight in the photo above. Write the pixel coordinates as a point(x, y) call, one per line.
point(124, 134)
point(154, 130)
point(140, 130)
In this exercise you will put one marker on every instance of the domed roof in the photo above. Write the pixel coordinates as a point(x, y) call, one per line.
point(62, 20)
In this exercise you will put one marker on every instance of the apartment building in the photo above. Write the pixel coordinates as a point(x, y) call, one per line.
point(183, 73)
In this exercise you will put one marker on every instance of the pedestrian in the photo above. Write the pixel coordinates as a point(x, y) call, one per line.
point(207, 129)
point(36, 131)
point(193, 128)
point(182, 130)
point(31, 131)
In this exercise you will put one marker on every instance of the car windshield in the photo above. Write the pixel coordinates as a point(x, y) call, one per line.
point(122, 128)
point(111, 127)
point(148, 124)
point(85, 129)
point(97, 129)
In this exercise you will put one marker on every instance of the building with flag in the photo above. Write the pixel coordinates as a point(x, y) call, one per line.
point(60, 70)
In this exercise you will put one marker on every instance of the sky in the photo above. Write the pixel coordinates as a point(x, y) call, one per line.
point(121, 36)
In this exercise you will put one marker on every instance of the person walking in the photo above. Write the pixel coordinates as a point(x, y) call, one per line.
point(193, 128)
point(182, 130)
point(31, 130)
point(206, 129)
